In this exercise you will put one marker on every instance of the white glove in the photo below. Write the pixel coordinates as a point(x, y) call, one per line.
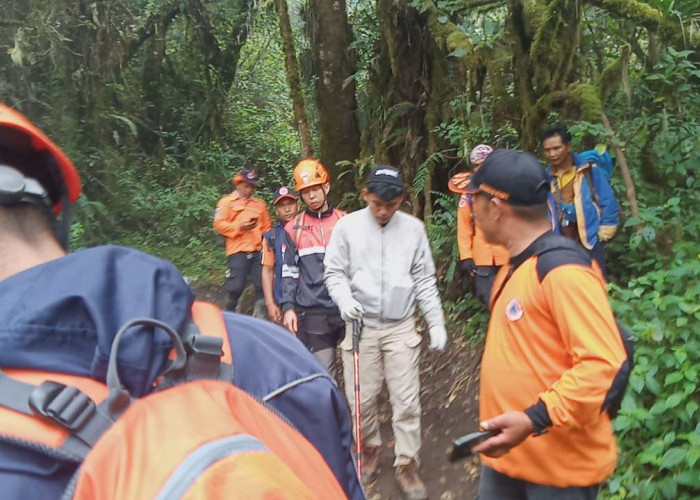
point(350, 310)
point(438, 337)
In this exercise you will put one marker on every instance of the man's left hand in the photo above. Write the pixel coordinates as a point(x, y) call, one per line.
point(438, 337)
point(515, 427)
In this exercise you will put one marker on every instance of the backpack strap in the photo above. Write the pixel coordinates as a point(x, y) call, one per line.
point(208, 354)
point(298, 226)
point(197, 356)
point(60, 404)
point(589, 177)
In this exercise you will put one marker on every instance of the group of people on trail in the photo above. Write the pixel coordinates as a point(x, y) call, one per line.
point(323, 269)
point(582, 207)
point(552, 371)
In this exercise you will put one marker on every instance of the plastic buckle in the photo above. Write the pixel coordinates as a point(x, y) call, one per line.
point(63, 404)
point(206, 345)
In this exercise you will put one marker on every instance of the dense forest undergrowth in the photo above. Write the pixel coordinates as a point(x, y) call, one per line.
point(159, 102)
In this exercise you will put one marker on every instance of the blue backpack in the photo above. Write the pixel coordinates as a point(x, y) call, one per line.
point(599, 156)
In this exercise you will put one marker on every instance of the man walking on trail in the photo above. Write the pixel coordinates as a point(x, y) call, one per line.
point(377, 266)
point(286, 207)
point(242, 219)
point(60, 312)
point(587, 210)
point(308, 311)
point(478, 259)
point(553, 352)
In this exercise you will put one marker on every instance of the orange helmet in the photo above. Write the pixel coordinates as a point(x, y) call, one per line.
point(308, 173)
point(19, 137)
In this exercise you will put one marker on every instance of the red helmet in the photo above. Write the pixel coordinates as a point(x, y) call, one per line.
point(20, 138)
point(309, 173)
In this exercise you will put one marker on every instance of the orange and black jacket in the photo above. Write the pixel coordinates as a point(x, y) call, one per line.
point(306, 237)
point(231, 211)
point(554, 351)
point(470, 238)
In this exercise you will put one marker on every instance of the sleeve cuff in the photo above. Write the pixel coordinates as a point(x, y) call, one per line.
point(539, 416)
point(287, 306)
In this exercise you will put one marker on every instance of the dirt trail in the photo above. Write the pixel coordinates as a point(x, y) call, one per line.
point(449, 387)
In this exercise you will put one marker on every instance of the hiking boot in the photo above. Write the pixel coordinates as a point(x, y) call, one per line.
point(370, 463)
point(410, 482)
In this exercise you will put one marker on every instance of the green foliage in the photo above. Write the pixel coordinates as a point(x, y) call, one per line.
point(658, 428)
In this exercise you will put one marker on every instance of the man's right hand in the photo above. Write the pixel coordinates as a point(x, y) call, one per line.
point(289, 321)
point(350, 310)
point(467, 267)
point(274, 313)
point(249, 224)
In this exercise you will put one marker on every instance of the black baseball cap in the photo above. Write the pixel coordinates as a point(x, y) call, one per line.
point(246, 175)
point(284, 192)
point(386, 175)
point(513, 176)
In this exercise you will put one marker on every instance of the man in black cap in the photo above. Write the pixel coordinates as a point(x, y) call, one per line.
point(242, 219)
point(553, 356)
point(286, 208)
point(377, 266)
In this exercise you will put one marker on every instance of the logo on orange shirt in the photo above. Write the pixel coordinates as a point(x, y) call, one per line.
point(514, 310)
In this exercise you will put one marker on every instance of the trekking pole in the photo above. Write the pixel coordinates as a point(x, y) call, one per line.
point(356, 331)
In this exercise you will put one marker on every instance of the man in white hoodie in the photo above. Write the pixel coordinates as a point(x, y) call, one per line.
point(377, 265)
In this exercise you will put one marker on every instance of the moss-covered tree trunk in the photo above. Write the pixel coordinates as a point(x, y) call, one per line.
point(402, 81)
point(339, 134)
point(293, 80)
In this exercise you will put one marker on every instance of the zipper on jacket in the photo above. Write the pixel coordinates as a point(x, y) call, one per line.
point(323, 236)
point(381, 281)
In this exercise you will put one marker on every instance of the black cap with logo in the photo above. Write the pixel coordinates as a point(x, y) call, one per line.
point(284, 192)
point(513, 176)
point(386, 175)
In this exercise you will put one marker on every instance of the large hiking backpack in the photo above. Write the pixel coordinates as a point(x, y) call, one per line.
point(196, 435)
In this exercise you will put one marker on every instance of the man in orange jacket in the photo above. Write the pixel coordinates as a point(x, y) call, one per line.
point(554, 357)
point(242, 219)
point(478, 258)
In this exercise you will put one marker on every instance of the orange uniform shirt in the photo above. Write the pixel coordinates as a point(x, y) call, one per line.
point(471, 242)
point(231, 211)
point(555, 341)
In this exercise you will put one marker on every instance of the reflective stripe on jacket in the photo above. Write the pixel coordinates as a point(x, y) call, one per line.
point(231, 211)
point(306, 237)
point(272, 256)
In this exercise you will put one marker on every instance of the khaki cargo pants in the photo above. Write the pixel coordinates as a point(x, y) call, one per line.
point(391, 354)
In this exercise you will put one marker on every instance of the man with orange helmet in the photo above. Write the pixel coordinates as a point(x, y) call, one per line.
point(308, 311)
point(242, 219)
point(478, 258)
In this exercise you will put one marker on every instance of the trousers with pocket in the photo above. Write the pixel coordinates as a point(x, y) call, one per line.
point(390, 354)
point(320, 331)
point(241, 267)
